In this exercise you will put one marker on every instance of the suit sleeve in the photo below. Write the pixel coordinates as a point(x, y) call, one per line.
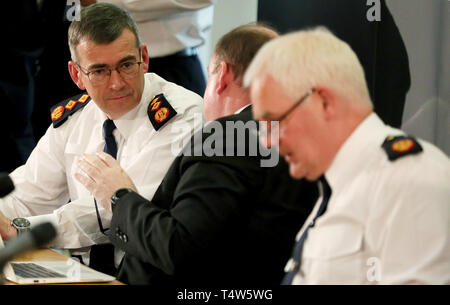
point(207, 198)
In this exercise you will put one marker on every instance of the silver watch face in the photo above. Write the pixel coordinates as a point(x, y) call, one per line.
point(21, 223)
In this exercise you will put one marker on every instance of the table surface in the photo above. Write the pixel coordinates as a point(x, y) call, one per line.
point(50, 255)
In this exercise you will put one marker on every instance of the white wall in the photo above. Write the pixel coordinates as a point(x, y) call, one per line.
point(424, 26)
point(228, 14)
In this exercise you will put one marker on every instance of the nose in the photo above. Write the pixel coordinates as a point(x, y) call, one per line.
point(265, 141)
point(116, 81)
point(264, 134)
point(281, 136)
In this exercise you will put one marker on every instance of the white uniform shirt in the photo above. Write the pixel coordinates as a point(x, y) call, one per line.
point(387, 222)
point(169, 26)
point(46, 182)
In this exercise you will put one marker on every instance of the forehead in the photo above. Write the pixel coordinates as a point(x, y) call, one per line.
point(90, 52)
point(268, 97)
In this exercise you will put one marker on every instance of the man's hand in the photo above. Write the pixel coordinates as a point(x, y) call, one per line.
point(103, 176)
point(7, 231)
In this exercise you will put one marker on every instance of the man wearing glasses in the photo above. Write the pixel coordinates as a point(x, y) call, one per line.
point(384, 213)
point(218, 217)
point(135, 117)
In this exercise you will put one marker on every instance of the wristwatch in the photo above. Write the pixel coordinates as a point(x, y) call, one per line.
point(21, 224)
point(117, 195)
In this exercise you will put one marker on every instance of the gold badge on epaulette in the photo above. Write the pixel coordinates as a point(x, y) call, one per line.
point(57, 113)
point(156, 106)
point(400, 146)
point(161, 114)
point(403, 145)
point(83, 98)
point(160, 111)
point(155, 99)
point(71, 104)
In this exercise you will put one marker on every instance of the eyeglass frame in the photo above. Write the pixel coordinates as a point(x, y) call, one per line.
point(267, 128)
point(108, 69)
point(297, 103)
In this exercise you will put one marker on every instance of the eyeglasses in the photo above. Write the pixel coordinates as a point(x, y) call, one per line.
point(269, 131)
point(297, 103)
point(100, 76)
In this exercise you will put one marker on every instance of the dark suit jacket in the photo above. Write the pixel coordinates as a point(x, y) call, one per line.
point(213, 220)
point(378, 44)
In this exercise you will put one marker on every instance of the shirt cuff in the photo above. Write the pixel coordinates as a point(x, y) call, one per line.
point(36, 220)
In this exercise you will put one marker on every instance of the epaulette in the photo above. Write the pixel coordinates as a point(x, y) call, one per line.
point(61, 111)
point(401, 146)
point(160, 111)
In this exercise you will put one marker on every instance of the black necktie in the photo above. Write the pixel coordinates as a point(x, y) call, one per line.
point(102, 256)
point(293, 265)
point(110, 142)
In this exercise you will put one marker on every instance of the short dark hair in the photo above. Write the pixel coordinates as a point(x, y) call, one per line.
point(102, 23)
point(239, 46)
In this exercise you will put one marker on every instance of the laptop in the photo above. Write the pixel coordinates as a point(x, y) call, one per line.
point(52, 272)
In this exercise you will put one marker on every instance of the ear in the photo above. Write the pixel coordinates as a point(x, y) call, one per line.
point(328, 102)
point(224, 74)
point(75, 74)
point(145, 57)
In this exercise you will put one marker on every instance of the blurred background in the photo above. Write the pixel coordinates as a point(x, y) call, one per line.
point(425, 29)
point(403, 46)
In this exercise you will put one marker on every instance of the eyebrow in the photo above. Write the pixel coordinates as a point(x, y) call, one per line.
point(99, 66)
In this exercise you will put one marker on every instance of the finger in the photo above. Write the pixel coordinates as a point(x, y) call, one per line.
point(93, 172)
point(107, 159)
point(103, 157)
point(86, 181)
point(94, 161)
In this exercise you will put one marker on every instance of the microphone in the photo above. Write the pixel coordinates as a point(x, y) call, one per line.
point(6, 185)
point(37, 237)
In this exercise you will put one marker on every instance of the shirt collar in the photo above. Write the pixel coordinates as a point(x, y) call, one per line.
point(349, 160)
point(242, 109)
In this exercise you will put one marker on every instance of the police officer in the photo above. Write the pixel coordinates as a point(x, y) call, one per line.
point(384, 213)
point(138, 118)
point(173, 30)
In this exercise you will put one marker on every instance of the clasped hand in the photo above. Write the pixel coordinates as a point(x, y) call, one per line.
point(102, 176)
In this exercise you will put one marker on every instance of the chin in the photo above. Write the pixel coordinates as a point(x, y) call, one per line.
point(296, 172)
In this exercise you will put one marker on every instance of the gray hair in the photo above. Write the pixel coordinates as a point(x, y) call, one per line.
point(102, 23)
point(305, 59)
